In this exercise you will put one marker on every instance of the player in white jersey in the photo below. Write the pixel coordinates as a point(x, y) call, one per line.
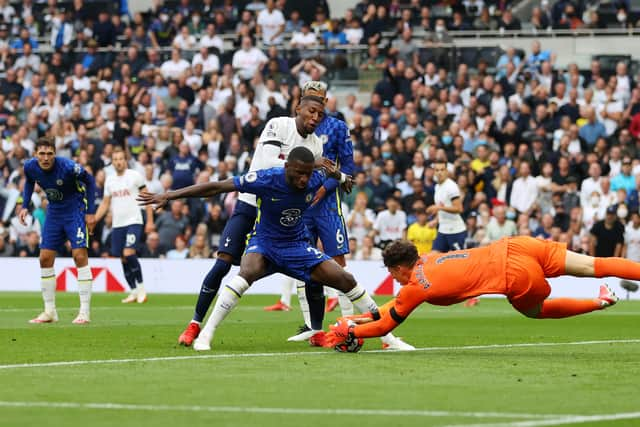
point(631, 248)
point(448, 206)
point(278, 138)
point(120, 192)
point(452, 230)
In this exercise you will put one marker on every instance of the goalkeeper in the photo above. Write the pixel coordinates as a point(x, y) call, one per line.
point(516, 267)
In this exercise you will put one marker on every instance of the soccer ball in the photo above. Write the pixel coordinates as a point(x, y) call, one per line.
point(351, 345)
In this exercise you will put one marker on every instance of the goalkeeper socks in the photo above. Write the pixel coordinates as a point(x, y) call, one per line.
point(136, 270)
point(48, 286)
point(84, 288)
point(566, 307)
point(287, 284)
point(227, 300)
point(128, 275)
point(315, 298)
point(619, 267)
point(209, 289)
point(301, 290)
point(361, 299)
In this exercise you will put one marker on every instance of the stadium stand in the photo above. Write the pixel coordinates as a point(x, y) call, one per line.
point(186, 88)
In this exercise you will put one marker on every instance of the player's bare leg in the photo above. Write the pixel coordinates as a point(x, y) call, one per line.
point(81, 259)
point(253, 266)
point(48, 286)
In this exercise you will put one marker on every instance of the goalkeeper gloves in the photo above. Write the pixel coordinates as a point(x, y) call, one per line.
point(339, 333)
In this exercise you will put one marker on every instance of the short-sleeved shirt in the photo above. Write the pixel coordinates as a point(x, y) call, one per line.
point(283, 131)
point(280, 206)
point(123, 190)
point(607, 238)
point(445, 194)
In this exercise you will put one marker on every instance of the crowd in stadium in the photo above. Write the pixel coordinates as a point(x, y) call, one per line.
point(536, 150)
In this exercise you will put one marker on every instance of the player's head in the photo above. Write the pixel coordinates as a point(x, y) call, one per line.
point(309, 113)
point(440, 172)
point(399, 257)
point(45, 152)
point(299, 167)
point(119, 160)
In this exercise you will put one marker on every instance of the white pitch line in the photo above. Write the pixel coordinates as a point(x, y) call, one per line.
point(307, 353)
point(284, 411)
point(570, 419)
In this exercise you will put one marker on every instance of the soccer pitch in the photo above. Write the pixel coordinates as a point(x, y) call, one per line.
point(481, 366)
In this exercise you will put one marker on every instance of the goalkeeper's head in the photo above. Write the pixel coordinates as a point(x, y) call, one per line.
point(400, 257)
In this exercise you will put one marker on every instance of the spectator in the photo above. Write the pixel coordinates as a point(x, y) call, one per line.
point(180, 250)
point(153, 248)
point(360, 220)
point(172, 224)
point(631, 249)
point(368, 252)
point(525, 190)
point(500, 226)
point(421, 233)
point(625, 179)
point(270, 24)
point(248, 60)
point(607, 236)
point(390, 224)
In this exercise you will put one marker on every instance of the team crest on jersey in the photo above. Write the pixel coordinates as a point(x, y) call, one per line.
point(77, 169)
point(308, 198)
point(251, 177)
point(324, 138)
point(59, 182)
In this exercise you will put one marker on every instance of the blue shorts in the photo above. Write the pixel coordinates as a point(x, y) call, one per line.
point(295, 259)
point(125, 237)
point(72, 227)
point(332, 232)
point(236, 232)
point(449, 242)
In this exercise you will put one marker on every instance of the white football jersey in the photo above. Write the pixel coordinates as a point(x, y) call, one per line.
point(390, 226)
point(123, 190)
point(632, 240)
point(448, 223)
point(283, 130)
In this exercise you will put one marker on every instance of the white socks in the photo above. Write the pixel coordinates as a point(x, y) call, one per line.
point(48, 285)
point(84, 288)
point(302, 300)
point(346, 308)
point(361, 299)
point(227, 299)
point(287, 285)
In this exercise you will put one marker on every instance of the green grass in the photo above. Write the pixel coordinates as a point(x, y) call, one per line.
point(453, 385)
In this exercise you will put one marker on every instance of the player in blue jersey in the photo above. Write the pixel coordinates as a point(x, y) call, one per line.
point(70, 191)
point(280, 135)
point(324, 219)
point(279, 242)
point(325, 222)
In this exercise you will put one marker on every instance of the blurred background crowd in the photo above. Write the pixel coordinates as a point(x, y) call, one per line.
point(187, 87)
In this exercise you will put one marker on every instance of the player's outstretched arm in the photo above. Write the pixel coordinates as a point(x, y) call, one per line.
point(198, 190)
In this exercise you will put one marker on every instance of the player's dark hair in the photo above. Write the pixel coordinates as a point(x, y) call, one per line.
point(302, 154)
point(45, 141)
point(400, 252)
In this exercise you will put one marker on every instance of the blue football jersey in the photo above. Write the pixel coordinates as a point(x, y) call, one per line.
point(68, 186)
point(280, 206)
point(337, 146)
